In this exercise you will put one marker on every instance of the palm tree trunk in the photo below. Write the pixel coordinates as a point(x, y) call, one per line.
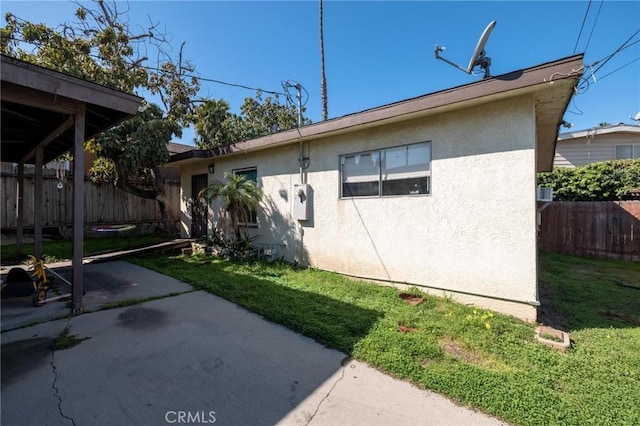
point(323, 80)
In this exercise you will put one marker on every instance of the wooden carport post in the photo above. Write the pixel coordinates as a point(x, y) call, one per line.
point(20, 209)
point(37, 205)
point(78, 209)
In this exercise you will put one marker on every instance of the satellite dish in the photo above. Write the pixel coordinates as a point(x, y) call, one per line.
point(478, 58)
point(637, 117)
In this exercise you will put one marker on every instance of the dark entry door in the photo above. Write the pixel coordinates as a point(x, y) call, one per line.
point(198, 207)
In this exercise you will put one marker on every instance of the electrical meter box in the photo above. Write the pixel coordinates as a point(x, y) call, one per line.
point(301, 201)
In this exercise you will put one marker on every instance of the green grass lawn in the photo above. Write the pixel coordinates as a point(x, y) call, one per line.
point(61, 249)
point(476, 357)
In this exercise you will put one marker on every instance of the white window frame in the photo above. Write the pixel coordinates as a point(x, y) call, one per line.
point(381, 177)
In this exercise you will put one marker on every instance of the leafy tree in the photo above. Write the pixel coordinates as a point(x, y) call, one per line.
point(100, 46)
point(603, 181)
point(239, 197)
point(216, 126)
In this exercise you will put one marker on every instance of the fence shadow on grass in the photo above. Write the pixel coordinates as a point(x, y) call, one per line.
point(583, 292)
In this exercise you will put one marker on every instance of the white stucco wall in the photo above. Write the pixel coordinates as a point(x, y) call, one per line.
point(475, 233)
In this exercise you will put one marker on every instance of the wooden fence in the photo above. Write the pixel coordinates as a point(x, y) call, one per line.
point(607, 228)
point(103, 204)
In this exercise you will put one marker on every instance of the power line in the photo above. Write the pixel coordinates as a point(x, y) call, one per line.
point(581, 28)
point(594, 26)
point(619, 68)
point(212, 80)
point(606, 59)
point(623, 46)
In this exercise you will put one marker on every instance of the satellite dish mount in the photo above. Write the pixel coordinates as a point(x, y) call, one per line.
point(479, 57)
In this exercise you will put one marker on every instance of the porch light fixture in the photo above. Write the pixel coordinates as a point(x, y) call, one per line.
point(211, 168)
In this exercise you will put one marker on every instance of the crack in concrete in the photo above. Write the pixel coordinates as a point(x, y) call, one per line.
point(344, 366)
point(55, 389)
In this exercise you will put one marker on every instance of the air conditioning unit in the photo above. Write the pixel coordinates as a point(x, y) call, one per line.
point(544, 194)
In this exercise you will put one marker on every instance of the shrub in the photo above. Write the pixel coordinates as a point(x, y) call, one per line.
point(604, 181)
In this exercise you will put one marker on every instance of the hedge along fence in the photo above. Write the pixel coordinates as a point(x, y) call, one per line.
point(103, 204)
point(605, 228)
point(604, 181)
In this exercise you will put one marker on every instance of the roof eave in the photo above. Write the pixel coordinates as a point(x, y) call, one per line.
point(511, 84)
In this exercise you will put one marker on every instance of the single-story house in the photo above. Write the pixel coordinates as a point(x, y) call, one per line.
point(438, 191)
point(613, 142)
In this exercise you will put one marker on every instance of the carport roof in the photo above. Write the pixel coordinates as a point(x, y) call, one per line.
point(38, 107)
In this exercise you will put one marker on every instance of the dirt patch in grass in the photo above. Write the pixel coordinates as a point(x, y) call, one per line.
point(411, 299)
point(586, 270)
point(619, 316)
point(626, 284)
point(462, 353)
point(406, 329)
point(458, 351)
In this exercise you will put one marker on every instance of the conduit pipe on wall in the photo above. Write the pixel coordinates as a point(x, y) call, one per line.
point(504, 299)
point(300, 160)
point(303, 161)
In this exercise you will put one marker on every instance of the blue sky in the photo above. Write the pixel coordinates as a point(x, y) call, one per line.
point(382, 52)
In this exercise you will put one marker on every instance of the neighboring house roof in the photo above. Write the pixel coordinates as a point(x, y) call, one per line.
point(551, 84)
point(597, 144)
point(614, 128)
point(177, 148)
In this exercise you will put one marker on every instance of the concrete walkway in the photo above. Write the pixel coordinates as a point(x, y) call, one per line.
point(198, 358)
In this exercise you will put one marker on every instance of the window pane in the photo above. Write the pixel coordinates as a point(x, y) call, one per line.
point(360, 189)
point(361, 167)
point(361, 175)
point(409, 186)
point(636, 151)
point(252, 175)
point(406, 170)
point(624, 151)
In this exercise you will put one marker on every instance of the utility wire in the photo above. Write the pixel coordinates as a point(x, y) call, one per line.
point(594, 26)
point(242, 86)
point(582, 27)
point(619, 68)
point(212, 80)
point(623, 46)
point(606, 59)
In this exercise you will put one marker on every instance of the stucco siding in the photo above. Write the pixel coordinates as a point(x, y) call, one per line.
point(475, 233)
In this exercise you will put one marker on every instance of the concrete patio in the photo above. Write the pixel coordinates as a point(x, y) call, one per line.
point(193, 355)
